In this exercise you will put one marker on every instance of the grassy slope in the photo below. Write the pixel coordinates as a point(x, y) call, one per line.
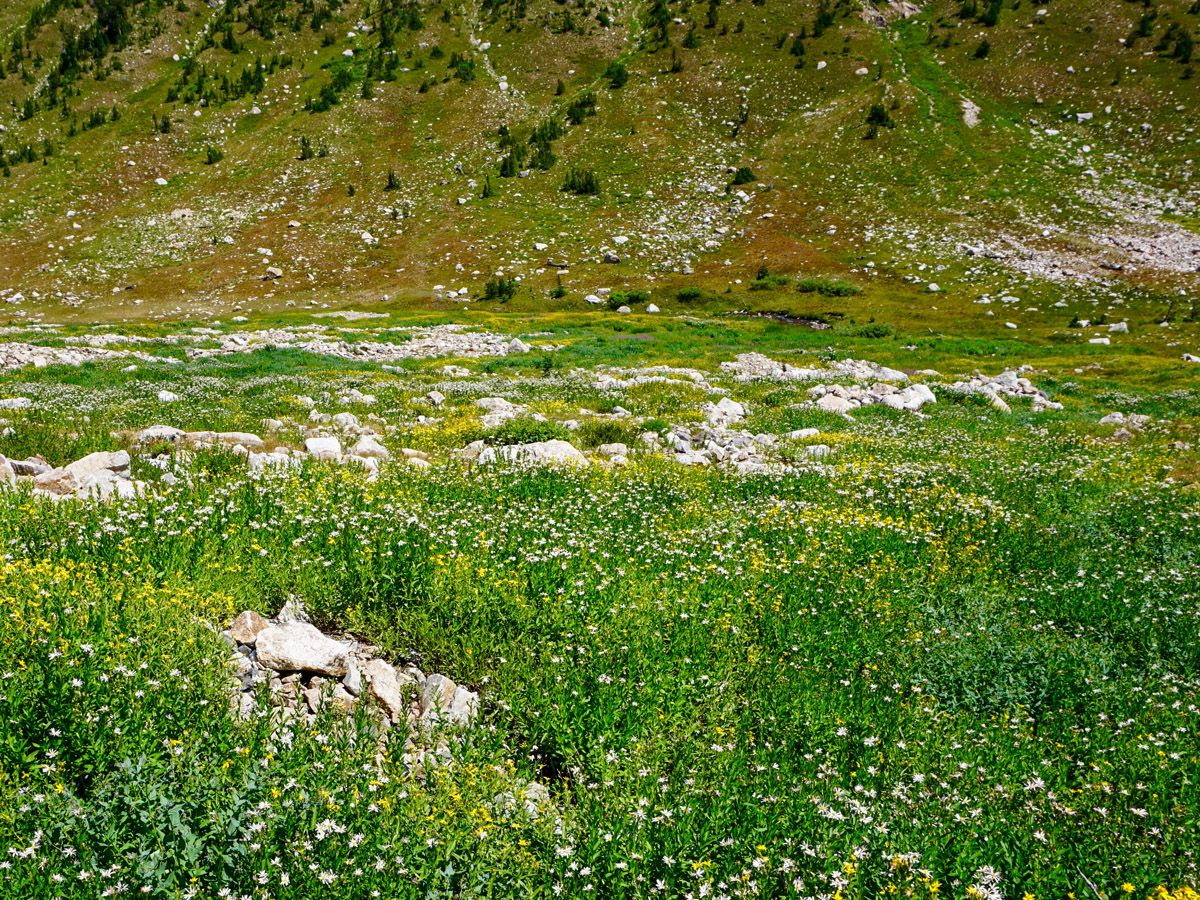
point(653, 144)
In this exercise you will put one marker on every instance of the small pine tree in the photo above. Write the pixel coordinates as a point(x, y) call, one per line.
point(744, 175)
point(393, 181)
point(306, 150)
point(878, 116)
point(213, 155)
point(983, 50)
point(581, 181)
point(617, 75)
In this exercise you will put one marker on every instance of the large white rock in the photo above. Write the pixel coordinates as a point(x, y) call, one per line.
point(835, 404)
point(444, 702)
point(247, 627)
point(323, 447)
point(87, 474)
point(300, 647)
point(915, 396)
point(159, 434)
point(389, 687)
point(247, 440)
point(554, 452)
point(369, 448)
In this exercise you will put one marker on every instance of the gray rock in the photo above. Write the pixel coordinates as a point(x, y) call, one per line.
point(301, 647)
point(158, 434)
point(247, 627)
point(835, 404)
point(323, 447)
point(31, 467)
point(370, 448)
point(388, 687)
point(555, 452)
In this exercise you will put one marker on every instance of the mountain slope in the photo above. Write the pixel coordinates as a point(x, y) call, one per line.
point(1047, 156)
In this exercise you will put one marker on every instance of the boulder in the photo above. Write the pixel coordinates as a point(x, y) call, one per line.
point(31, 467)
point(87, 474)
point(388, 687)
point(444, 702)
point(158, 434)
point(245, 439)
point(300, 647)
point(835, 404)
point(725, 411)
point(247, 627)
point(554, 452)
point(369, 448)
point(323, 447)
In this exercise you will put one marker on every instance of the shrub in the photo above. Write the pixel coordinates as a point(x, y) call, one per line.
point(213, 155)
point(827, 287)
point(879, 117)
point(689, 294)
point(526, 430)
point(617, 75)
point(744, 175)
point(768, 282)
point(873, 331)
point(617, 299)
point(595, 432)
point(581, 107)
point(581, 181)
point(500, 288)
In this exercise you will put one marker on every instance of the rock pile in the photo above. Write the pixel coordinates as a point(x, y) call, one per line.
point(441, 340)
point(1012, 384)
point(300, 672)
point(756, 367)
point(842, 399)
point(707, 445)
point(17, 355)
point(100, 475)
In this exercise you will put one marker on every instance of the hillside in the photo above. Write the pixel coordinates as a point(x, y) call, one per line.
point(189, 158)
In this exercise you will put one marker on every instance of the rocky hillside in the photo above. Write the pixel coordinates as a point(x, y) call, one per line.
point(190, 158)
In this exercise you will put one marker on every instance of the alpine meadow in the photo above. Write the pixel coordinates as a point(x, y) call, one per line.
point(618, 449)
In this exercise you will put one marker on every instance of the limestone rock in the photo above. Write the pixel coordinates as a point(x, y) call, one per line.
point(300, 647)
point(555, 452)
point(247, 627)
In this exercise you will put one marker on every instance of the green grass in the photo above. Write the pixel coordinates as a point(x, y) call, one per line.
point(714, 675)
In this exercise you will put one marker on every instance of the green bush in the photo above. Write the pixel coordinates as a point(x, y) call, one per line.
point(581, 181)
point(689, 294)
point(617, 75)
point(769, 282)
point(595, 432)
point(631, 298)
point(827, 287)
point(873, 331)
point(743, 175)
point(526, 430)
